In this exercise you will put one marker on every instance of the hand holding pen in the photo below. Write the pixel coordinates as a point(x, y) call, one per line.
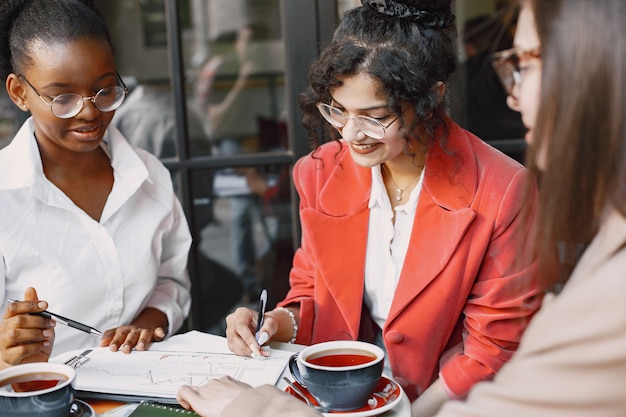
point(24, 336)
point(64, 320)
point(247, 330)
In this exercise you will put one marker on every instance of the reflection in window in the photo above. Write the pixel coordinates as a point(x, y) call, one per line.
point(234, 79)
point(236, 71)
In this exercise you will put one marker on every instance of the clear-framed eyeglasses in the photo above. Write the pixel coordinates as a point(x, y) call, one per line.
point(507, 65)
point(368, 125)
point(68, 105)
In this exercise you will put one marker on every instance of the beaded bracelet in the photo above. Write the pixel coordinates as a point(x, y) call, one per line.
point(294, 323)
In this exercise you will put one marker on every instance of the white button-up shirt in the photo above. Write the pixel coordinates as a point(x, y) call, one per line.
point(99, 273)
point(387, 244)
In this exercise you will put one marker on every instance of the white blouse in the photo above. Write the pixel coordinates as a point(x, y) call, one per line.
point(99, 273)
point(387, 244)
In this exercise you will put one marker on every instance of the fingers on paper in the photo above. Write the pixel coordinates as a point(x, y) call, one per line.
point(159, 334)
point(147, 336)
point(122, 338)
point(240, 327)
point(184, 396)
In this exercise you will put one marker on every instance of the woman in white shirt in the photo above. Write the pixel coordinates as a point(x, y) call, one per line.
point(89, 222)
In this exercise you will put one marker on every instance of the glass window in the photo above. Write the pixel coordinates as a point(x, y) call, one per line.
point(230, 162)
point(236, 72)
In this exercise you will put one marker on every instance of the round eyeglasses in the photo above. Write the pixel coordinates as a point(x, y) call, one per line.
point(368, 125)
point(507, 66)
point(68, 105)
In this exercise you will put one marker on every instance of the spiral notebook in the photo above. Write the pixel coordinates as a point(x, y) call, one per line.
point(155, 409)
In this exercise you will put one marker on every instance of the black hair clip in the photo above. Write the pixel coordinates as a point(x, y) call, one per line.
point(431, 18)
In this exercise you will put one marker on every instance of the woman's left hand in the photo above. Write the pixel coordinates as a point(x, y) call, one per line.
point(150, 326)
point(210, 399)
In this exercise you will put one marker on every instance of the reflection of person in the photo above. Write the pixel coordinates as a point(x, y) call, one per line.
point(411, 225)
point(147, 120)
point(571, 360)
point(227, 121)
point(91, 223)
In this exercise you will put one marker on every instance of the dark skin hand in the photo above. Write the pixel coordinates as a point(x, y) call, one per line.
point(25, 338)
point(148, 327)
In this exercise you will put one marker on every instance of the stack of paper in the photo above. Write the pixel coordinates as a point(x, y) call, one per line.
point(157, 374)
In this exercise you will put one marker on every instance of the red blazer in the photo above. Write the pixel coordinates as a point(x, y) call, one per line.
point(463, 298)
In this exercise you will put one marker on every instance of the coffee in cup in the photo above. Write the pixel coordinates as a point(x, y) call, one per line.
point(341, 375)
point(43, 389)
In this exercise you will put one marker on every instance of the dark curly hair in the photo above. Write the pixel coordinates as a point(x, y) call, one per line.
point(24, 23)
point(406, 56)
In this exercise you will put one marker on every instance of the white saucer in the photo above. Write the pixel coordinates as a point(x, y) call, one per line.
point(81, 409)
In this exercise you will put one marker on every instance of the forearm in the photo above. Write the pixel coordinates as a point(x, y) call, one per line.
point(267, 401)
point(172, 298)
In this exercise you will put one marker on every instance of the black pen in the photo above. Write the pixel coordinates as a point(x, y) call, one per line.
point(64, 320)
point(261, 317)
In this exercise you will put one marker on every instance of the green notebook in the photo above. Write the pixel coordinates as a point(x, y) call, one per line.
point(155, 409)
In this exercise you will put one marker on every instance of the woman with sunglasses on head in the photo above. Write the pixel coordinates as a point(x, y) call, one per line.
point(411, 226)
point(567, 77)
point(89, 224)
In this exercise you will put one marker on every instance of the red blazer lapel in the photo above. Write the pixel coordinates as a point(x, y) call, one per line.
point(429, 253)
point(338, 230)
point(442, 218)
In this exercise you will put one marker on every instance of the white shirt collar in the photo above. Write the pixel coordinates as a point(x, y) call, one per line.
point(378, 194)
point(21, 167)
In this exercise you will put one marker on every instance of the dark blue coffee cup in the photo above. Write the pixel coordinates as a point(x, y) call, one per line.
point(341, 375)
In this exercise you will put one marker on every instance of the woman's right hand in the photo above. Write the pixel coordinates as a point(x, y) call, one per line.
point(25, 337)
point(240, 329)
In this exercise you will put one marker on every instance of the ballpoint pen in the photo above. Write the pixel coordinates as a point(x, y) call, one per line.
point(260, 319)
point(64, 320)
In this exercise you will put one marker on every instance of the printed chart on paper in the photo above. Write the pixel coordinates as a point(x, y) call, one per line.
point(160, 374)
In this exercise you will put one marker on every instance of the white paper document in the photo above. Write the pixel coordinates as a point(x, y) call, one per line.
point(159, 373)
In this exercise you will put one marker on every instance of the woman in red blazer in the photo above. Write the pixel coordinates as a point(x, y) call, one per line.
point(412, 228)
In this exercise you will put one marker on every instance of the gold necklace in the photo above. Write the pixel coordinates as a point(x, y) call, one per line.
point(399, 190)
